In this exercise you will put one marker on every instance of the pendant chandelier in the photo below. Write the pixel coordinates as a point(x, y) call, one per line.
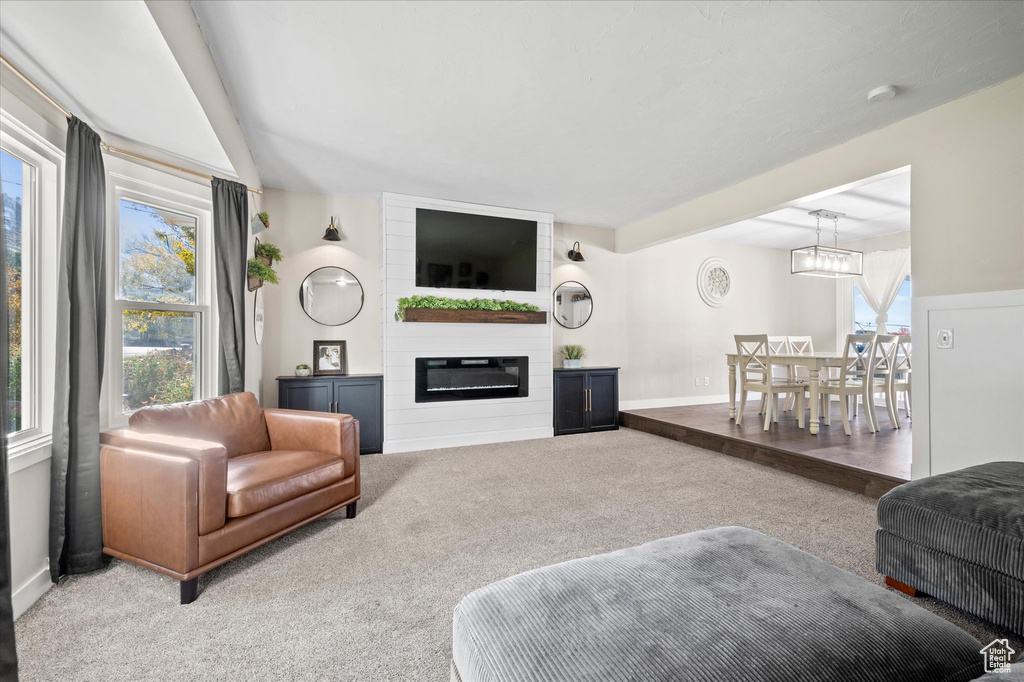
point(826, 261)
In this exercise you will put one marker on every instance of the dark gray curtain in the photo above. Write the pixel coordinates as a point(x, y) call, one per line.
point(8, 652)
point(229, 242)
point(76, 537)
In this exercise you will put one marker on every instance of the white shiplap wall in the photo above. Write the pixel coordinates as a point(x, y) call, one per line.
point(409, 425)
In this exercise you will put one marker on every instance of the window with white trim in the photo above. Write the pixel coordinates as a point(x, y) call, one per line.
point(162, 314)
point(17, 184)
point(30, 169)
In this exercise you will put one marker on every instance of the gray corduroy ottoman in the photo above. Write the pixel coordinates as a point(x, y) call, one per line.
point(721, 605)
point(959, 537)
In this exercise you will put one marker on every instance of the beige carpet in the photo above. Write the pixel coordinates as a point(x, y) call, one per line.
point(371, 598)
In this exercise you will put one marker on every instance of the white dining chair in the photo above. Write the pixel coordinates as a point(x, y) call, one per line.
point(756, 373)
point(899, 377)
point(799, 345)
point(881, 376)
point(855, 379)
point(779, 346)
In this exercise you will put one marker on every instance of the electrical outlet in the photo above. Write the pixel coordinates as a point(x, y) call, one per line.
point(707, 381)
point(944, 338)
point(696, 381)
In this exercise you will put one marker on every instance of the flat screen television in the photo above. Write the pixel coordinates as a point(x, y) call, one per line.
point(466, 251)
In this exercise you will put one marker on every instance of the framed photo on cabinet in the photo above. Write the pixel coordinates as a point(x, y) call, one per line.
point(329, 357)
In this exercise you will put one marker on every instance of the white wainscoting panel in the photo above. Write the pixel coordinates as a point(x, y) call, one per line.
point(409, 425)
point(968, 400)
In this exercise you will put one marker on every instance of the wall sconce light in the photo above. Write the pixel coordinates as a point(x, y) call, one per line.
point(574, 253)
point(331, 233)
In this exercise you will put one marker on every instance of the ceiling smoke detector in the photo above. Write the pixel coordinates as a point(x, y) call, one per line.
point(883, 93)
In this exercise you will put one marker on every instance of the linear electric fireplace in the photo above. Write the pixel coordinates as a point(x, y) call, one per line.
point(440, 379)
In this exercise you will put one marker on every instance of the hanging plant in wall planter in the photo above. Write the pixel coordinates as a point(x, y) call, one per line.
point(473, 310)
point(260, 223)
point(260, 268)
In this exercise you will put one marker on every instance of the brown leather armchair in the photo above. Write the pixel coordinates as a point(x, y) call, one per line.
point(188, 487)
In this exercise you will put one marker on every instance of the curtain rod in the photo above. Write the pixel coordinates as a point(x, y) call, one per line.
point(103, 145)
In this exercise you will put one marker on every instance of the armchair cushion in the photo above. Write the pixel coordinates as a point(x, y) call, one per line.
point(235, 421)
point(261, 480)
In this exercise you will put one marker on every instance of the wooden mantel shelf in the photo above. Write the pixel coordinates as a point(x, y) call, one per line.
point(476, 316)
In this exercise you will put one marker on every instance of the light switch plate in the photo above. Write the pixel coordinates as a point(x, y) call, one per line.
point(944, 338)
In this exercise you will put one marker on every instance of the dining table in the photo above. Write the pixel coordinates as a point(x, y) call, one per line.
point(814, 362)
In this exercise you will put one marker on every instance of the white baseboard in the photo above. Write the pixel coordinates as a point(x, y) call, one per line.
point(452, 441)
point(30, 591)
point(673, 402)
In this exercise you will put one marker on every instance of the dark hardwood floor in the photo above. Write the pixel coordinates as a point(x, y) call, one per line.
point(865, 462)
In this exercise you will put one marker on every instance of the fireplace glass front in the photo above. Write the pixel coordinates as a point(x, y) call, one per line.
point(445, 379)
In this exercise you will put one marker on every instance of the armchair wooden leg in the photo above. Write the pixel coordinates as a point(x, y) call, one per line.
point(189, 590)
point(350, 510)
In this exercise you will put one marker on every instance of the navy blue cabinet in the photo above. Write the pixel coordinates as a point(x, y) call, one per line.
point(360, 395)
point(586, 399)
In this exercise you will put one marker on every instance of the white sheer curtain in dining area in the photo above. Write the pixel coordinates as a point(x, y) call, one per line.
point(884, 272)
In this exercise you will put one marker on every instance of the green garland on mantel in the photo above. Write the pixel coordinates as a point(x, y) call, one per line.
point(438, 303)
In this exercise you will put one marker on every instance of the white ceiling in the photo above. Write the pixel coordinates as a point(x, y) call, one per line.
point(601, 112)
point(877, 208)
point(108, 63)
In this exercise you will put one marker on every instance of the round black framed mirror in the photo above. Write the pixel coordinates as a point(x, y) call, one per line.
point(573, 305)
point(331, 296)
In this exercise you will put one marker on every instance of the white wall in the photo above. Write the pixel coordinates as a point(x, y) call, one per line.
point(604, 274)
point(409, 425)
point(968, 171)
point(298, 221)
point(649, 318)
point(675, 337)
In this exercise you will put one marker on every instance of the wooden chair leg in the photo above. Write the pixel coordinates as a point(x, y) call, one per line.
point(826, 408)
point(890, 404)
point(904, 588)
point(907, 399)
point(768, 411)
point(844, 410)
point(799, 398)
point(764, 399)
point(743, 404)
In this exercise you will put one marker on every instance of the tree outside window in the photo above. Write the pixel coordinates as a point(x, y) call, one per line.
point(157, 267)
point(12, 185)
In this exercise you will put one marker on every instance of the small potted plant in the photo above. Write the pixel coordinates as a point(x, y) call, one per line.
point(264, 218)
point(302, 370)
point(259, 272)
point(267, 252)
point(260, 269)
point(572, 355)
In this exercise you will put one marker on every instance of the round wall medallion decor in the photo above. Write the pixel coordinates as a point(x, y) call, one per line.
point(714, 281)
